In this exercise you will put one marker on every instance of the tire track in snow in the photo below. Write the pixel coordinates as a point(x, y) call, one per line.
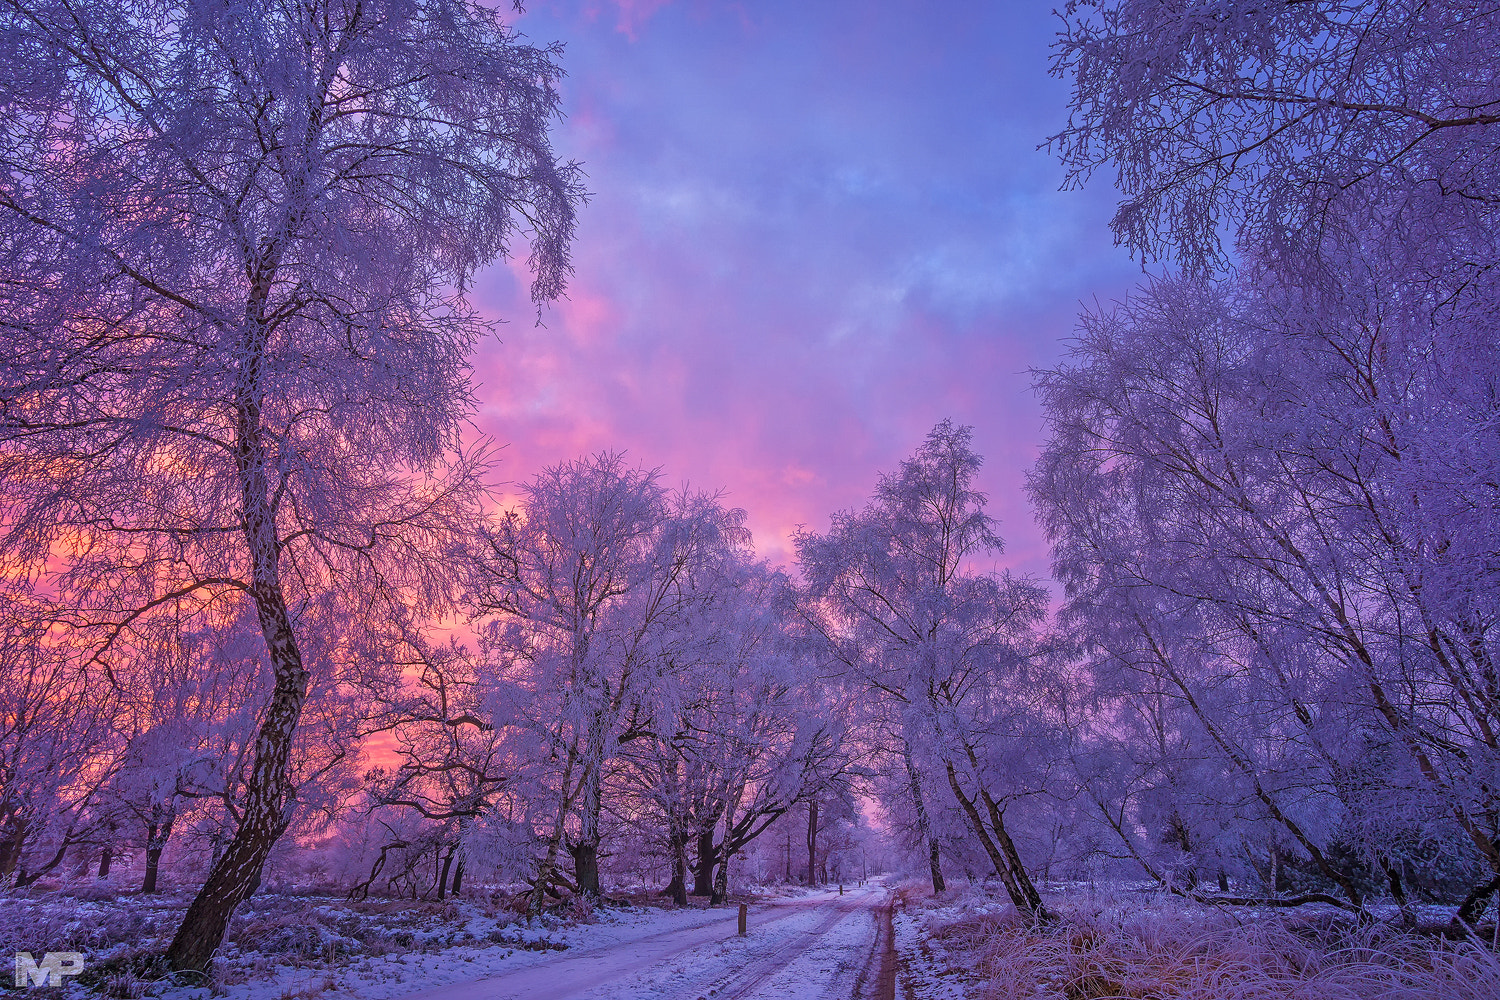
point(746, 981)
point(877, 980)
point(584, 971)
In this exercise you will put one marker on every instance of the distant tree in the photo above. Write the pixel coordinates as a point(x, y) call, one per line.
point(454, 762)
point(579, 587)
point(235, 240)
point(740, 729)
point(894, 593)
point(58, 741)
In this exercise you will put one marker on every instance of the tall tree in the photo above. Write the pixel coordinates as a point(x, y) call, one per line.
point(893, 592)
point(235, 237)
point(580, 585)
point(1271, 512)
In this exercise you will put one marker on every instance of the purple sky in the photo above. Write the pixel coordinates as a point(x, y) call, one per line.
point(816, 230)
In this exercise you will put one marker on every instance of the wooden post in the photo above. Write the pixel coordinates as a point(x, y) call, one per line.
point(743, 910)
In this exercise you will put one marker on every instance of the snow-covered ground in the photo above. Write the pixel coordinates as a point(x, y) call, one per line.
point(814, 946)
point(875, 942)
point(800, 944)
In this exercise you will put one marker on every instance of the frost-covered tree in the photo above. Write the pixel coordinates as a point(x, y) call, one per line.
point(235, 238)
point(1275, 514)
point(58, 738)
point(742, 727)
point(1271, 492)
point(454, 763)
point(1292, 127)
point(894, 592)
point(578, 587)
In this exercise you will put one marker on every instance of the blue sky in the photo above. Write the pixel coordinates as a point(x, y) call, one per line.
point(816, 229)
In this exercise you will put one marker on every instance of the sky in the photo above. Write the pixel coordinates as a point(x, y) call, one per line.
point(815, 230)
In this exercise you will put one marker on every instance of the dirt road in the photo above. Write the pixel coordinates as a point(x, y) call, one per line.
point(820, 947)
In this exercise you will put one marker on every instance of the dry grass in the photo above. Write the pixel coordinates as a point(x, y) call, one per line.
point(1169, 952)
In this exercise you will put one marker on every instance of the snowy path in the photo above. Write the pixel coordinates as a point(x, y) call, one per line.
point(818, 947)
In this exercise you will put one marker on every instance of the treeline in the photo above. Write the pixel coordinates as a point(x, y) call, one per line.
point(635, 696)
point(628, 666)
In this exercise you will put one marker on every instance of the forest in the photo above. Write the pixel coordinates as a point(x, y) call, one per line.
point(269, 623)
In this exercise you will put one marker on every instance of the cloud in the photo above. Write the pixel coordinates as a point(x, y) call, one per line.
point(630, 15)
point(811, 238)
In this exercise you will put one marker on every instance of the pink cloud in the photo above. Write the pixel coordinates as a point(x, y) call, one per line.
point(792, 267)
point(630, 15)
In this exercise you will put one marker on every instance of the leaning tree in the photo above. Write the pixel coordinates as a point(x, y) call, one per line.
point(235, 239)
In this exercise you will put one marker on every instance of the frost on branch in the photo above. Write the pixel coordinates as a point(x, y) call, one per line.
point(236, 238)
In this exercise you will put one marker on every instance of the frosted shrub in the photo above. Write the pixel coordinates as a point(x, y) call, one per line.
point(1169, 954)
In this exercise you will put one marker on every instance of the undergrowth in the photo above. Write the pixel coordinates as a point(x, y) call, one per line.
point(1166, 952)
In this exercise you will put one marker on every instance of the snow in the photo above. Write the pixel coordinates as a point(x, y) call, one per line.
point(801, 945)
point(930, 969)
point(806, 947)
point(809, 946)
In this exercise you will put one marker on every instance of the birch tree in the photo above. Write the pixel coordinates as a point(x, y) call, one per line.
point(236, 238)
point(1273, 513)
point(894, 593)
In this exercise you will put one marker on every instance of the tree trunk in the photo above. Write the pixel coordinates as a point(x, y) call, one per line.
point(1022, 878)
point(676, 827)
point(586, 851)
point(10, 849)
point(976, 826)
point(269, 794)
point(158, 832)
point(153, 862)
point(934, 866)
point(586, 868)
point(678, 887)
point(1002, 852)
point(1177, 835)
point(104, 860)
point(703, 869)
point(721, 883)
point(442, 886)
point(270, 798)
point(924, 825)
point(1398, 891)
point(1018, 881)
point(458, 876)
point(812, 843)
point(543, 876)
point(1478, 899)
